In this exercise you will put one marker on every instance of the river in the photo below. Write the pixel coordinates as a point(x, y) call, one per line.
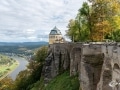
point(22, 66)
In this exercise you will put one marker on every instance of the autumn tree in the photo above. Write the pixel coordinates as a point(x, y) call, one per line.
point(6, 84)
point(95, 22)
point(103, 12)
point(99, 20)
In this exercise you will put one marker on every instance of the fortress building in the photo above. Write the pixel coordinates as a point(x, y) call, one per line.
point(55, 36)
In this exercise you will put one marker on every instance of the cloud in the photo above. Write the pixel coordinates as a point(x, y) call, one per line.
point(28, 20)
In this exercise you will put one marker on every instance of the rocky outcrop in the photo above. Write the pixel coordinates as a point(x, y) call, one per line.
point(97, 65)
point(56, 62)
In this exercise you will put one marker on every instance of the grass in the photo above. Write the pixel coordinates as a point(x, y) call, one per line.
point(39, 85)
point(6, 69)
point(61, 82)
point(64, 82)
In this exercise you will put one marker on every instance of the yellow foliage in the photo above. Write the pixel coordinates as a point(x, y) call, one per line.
point(6, 84)
point(105, 18)
point(100, 30)
point(116, 20)
point(115, 5)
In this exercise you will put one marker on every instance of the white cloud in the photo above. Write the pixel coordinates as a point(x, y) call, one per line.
point(29, 20)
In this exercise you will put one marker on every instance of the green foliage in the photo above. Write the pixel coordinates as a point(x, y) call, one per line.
point(63, 82)
point(5, 60)
point(96, 21)
point(79, 29)
point(22, 80)
point(6, 84)
point(26, 79)
point(72, 31)
point(41, 54)
point(6, 65)
point(39, 85)
point(60, 82)
point(115, 35)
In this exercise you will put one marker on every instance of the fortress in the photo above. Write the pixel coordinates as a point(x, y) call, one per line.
point(97, 65)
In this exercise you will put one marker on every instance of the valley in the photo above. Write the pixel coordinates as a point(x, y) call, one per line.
point(7, 65)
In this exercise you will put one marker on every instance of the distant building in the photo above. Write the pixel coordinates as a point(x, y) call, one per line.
point(55, 36)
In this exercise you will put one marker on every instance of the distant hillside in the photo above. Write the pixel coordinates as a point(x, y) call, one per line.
point(25, 48)
point(22, 43)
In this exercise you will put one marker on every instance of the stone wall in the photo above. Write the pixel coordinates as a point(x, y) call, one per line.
point(98, 65)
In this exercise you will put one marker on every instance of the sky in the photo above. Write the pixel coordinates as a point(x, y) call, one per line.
point(32, 20)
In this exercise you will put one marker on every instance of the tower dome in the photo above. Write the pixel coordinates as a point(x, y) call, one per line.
point(55, 31)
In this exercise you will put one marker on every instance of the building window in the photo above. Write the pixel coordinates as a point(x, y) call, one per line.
point(52, 36)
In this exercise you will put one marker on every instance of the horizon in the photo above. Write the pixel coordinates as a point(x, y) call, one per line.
point(25, 42)
point(31, 21)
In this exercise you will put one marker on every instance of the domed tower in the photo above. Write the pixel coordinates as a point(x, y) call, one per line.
point(55, 36)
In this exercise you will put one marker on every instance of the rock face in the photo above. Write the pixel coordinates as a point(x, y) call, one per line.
point(97, 65)
point(56, 62)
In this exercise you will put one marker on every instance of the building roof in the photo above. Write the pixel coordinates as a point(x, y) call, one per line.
point(55, 31)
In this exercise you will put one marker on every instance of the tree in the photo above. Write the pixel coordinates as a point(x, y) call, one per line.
point(116, 22)
point(6, 84)
point(41, 54)
point(26, 79)
point(83, 22)
point(22, 80)
point(95, 22)
point(99, 20)
point(78, 29)
point(115, 35)
point(72, 31)
point(102, 15)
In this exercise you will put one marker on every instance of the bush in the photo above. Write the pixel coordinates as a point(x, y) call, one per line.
point(8, 69)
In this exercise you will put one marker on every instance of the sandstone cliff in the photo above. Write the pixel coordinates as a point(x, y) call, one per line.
point(97, 65)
